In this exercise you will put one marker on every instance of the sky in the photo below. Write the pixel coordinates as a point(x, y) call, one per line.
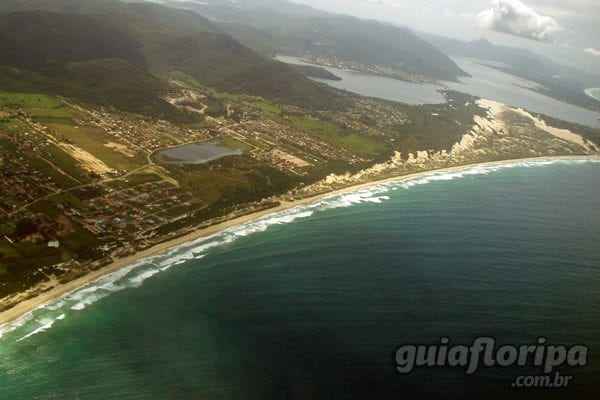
point(567, 31)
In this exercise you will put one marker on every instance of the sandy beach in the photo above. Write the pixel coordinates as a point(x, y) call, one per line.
point(61, 290)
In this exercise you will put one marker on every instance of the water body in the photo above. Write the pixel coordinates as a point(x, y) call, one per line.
point(196, 153)
point(313, 302)
point(377, 86)
point(486, 82)
point(490, 83)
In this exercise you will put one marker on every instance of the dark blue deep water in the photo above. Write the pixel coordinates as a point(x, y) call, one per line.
point(314, 302)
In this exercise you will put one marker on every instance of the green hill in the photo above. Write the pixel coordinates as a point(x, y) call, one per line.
point(316, 72)
point(154, 38)
point(107, 82)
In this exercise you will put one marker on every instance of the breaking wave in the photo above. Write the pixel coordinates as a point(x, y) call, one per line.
point(44, 317)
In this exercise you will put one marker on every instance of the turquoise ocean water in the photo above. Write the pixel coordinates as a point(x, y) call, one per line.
point(313, 302)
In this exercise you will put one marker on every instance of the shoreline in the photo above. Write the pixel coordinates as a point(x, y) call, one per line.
point(590, 91)
point(28, 305)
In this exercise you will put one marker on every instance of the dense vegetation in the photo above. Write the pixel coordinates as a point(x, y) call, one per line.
point(151, 38)
point(316, 72)
point(107, 82)
point(50, 36)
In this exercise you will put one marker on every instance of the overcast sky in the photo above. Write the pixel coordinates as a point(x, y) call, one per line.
point(566, 30)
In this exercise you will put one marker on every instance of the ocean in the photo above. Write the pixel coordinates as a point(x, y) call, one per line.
point(314, 302)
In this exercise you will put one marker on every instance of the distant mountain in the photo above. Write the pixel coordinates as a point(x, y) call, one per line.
point(81, 57)
point(50, 36)
point(149, 39)
point(560, 82)
point(279, 26)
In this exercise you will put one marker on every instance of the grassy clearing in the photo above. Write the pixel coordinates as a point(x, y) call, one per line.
point(7, 250)
point(41, 163)
point(185, 79)
point(62, 180)
point(66, 163)
point(235, 144)
point(10, 147)
point(27, 100)
point(42, 108)
point(254, 101)
point(5, 229)
point(265, 106)
point(61, 114)
point(332, 133)
point(67, 200)
point(31, 250)
point(76, 237)
point(134, 180)
point(45, 207)
point(91, 139)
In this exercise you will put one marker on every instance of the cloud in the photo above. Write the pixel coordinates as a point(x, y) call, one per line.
point(515, 18)
point(592, 51)
point(389, 3)
point(449, 14)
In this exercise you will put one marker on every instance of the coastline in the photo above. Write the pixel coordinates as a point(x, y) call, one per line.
point(26, 306)
point(590, 93)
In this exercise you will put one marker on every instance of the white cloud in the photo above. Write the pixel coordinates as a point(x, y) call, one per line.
point(389, 3)
point(592, 51)
point(449, 14)
point(516, 18)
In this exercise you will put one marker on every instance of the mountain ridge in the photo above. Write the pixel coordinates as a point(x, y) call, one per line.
point(154, 38)
point(324, 35)
point(557, 81)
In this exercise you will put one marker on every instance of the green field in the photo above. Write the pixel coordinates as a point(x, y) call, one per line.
point(66, 199)
point(185, 79)
point(91, 139)
point(28, 100)
point(66, 163)
point(235, 144)
point(332, 133)
point(7, 251)
point(60, 114)
point(62, 180)
point(254, 101)
point(134, 180)
point(41, 107)
point(265, 106)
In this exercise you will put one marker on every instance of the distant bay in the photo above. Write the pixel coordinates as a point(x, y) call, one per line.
point(486, 82)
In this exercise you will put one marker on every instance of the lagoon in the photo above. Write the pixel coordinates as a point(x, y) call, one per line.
point(377, 86)
point(485, 81)
point(195, 153)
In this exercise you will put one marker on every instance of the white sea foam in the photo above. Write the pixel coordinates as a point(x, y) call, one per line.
point(135, 275)
point(137, 280)
point(45, 325)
